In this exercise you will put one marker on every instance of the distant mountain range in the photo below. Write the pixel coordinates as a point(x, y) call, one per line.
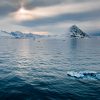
point(18, 34)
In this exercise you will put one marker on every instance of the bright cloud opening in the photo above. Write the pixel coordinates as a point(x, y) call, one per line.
point(22, 14)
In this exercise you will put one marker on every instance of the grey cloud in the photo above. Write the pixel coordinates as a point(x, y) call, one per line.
point(40, 3)
point(85, 16)
point(8, 6)
point(6, 10)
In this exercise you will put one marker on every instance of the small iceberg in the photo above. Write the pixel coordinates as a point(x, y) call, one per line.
point(84, 74)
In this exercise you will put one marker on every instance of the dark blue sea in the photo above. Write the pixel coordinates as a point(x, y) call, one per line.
point(50, 69)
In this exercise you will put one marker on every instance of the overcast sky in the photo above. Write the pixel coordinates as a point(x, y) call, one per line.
point(52, 16)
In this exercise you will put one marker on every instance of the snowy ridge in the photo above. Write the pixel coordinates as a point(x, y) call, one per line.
point(17, 31)
point(84, 74)
point(18, 34)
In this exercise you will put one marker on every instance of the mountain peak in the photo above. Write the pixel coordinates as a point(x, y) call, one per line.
point(77, 32)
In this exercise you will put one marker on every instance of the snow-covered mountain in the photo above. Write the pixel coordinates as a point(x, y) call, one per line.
point(77, 32)
point(9, 30)
point(18, 34)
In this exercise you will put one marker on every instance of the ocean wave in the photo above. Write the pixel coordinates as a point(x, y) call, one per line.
point(84, 74)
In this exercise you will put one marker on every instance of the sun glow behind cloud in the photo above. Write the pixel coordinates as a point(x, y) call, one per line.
point(24, 14)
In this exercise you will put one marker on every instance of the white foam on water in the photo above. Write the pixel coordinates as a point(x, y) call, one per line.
point(84, 74)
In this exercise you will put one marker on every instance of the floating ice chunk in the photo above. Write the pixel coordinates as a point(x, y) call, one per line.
point(84, 74)
point(75, 74)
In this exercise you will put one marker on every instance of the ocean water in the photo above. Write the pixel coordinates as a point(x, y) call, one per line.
point(50, 69)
